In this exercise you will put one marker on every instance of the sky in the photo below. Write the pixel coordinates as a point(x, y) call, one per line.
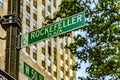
point(81, 72)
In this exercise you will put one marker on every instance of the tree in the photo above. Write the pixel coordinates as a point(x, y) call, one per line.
point(100, 46)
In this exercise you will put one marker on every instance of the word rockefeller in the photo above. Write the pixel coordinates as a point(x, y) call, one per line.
point(63, 26)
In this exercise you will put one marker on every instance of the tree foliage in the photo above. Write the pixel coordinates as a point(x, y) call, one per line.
point(100, 45)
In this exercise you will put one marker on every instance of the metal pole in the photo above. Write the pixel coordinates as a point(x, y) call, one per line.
point(12, 24)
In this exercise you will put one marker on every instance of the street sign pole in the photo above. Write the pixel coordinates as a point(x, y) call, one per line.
point(11, 23)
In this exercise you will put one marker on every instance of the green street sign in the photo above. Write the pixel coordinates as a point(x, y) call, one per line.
point(68, 24)
point(29, 71)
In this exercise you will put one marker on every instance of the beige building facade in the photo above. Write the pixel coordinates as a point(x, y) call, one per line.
point(48, 58)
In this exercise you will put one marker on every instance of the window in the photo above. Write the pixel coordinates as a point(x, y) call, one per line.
point(43, 44)
point(28, 22)
point(43, 13)
point(55, 74)
point(61, 50)
point(34, 22)
point(34, 10)
point(1, 3)
point(43, 57)
point(49, 62)
point(34, 56)
point(43, 50)
point(62, 79)
point(70, 39)
point(61, 74)
point(66, 67)
point(49, 3)
point(43, 60)
point(55, 59)
point(28, 2)
point(21, 2)
point(43, 7)
point(49, 65)
point(35, 0)
point(62, 57)
point(21, 15)
point(49, 10)
point(54, 3)
point(71, 55)
point(49, 50)
point(67, 73)
point(35, 48)
point(35, 16)
point(43, 19)
point(21, 8)
point(43, 63)
point(55, 50)
point(54, 44)
point(66, 40)
point(35, 52)
point(62, 69)
point(61, 40)
point(27, 28)
point(49, 47)
point(49, 69)
point(28, 9)
point(34, 26)
point(27, 15)
point(66, 78)
point(54, 9)
point(71, 73)
point(43, 2)
point(71, 78)
point(49, 42)
point(67, 62)
point(43, 47)
point(70, 61)
point(28, 50)
point(35, 3)
point(61, 45)
point(49, 13)
point(66, 56)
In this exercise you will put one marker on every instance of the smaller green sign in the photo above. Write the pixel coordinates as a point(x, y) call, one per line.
point(30, 72)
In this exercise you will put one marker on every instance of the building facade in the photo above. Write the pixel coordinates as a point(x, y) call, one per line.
point(47, 58)
point(3, 11)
